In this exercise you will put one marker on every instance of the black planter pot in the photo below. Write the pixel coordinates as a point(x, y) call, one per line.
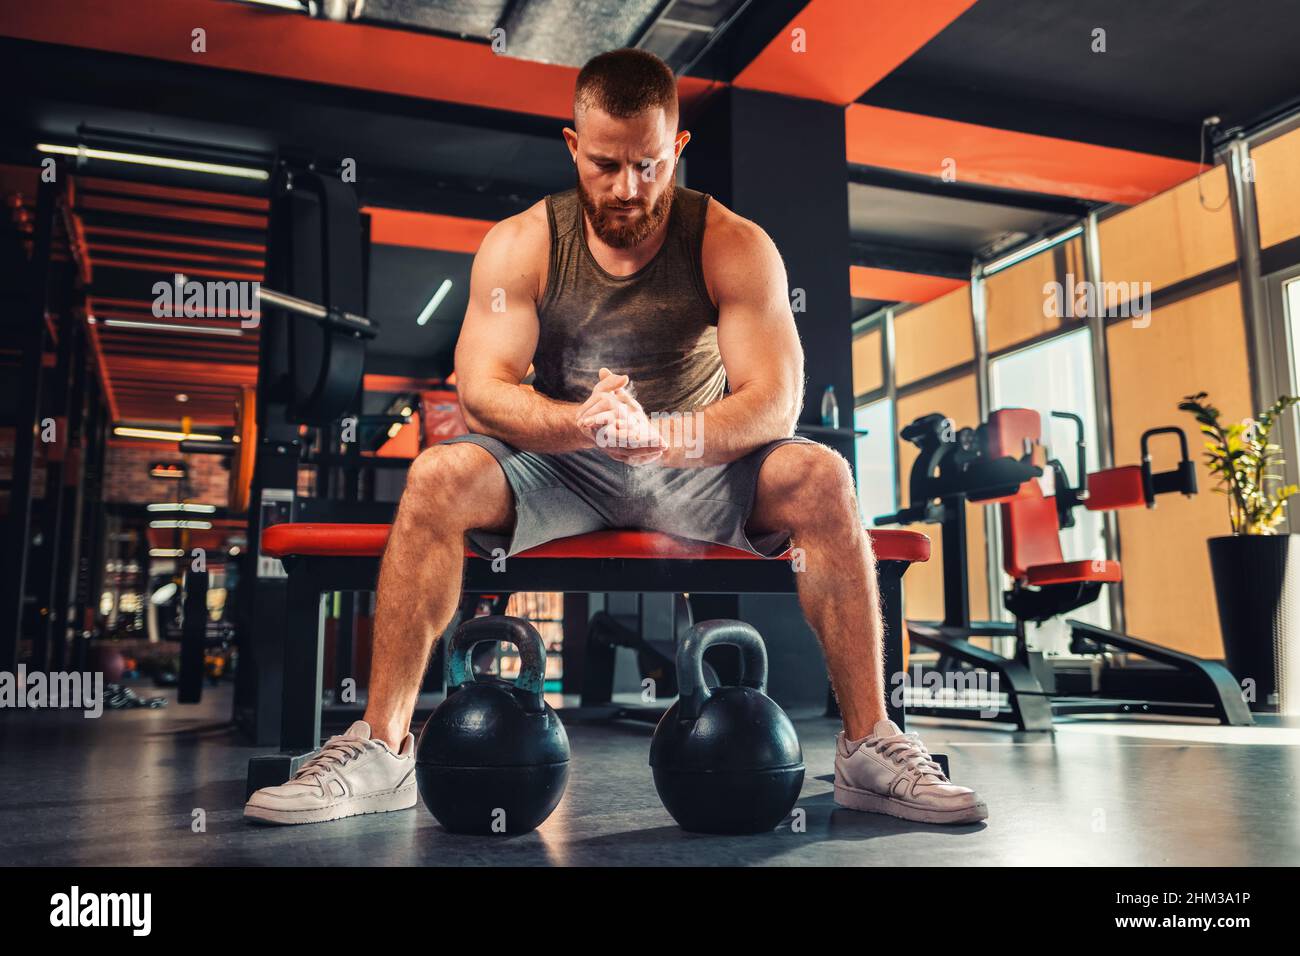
point(1257, 588)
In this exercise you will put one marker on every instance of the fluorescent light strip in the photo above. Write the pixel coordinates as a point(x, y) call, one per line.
point(1033, 249)
point(162, 434)
point(186, 525)
point(141, 159)
point(166, 552)
point(174, 506)
point(165, 327)
point(281, 4)
point(434, 302)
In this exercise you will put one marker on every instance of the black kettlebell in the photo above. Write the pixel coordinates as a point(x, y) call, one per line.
point(493, 757)
point(726, 760)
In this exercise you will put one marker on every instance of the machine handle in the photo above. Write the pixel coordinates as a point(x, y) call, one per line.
point(1081, 453)
point(693, 691)
point(512, 630)
point(1181, 479)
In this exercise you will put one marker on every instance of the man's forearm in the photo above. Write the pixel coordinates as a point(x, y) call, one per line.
point(524, 418)
point(727, 430)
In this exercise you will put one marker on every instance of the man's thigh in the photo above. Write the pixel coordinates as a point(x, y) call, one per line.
point(553, 496)
point(718, 504)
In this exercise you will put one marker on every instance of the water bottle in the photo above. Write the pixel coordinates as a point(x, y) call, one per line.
point(830, 408)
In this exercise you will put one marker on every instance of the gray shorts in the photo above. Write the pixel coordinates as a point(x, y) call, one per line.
point(557, 496)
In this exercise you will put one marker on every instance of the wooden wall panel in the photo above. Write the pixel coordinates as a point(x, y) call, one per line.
point(923, 584)
point(1015, 305)
point(868, 375)
point(1277, 188)
point(933, 337)
point(1169, 237)
point(1198, 344)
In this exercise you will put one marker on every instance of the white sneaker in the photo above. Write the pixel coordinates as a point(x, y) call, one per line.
point(892, 772)
point(351, 775)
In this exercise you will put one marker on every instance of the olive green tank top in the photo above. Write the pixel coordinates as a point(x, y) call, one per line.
point(657, 325)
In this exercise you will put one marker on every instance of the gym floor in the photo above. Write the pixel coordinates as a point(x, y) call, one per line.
point(123, 790)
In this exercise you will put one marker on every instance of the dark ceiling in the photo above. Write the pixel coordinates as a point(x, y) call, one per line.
point(402, 281)
point(1002, 65)
point(1167, 65)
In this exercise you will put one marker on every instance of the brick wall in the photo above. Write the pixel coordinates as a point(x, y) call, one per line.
point(126, 475)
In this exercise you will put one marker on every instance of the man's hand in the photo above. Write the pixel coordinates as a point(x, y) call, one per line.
point(617, 424)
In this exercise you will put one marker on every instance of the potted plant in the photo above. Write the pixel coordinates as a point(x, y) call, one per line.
point(1256, 570)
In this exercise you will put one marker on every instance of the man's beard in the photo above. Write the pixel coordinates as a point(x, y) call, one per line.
point(625, 235)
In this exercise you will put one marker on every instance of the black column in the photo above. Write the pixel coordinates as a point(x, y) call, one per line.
point(66, 553)
point(29, 288)
point(780, 161)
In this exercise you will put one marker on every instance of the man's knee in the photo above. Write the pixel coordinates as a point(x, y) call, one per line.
point(444, 474)
point(824, 489)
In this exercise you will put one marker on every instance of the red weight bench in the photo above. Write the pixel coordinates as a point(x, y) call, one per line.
point(321, 558)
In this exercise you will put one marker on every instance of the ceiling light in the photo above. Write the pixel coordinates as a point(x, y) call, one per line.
point(393, 429)
point(166, 553)
point(141, 159)
point(161, 434)
point(1033, 249)
point(166, 327)
point(434, 302)
point(185, 525)
point(182, 506)
point(294, 5)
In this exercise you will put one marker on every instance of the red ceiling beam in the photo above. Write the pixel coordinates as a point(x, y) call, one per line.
point(179, 370)
point(836, 50)
point(138, 207)
point(424, 230)
point(171, 193)
point(164, 351)
point(1011, 160)
point(111, 247)
point(868, 283)
point(170, 267)
point(172, 238)
point(401, 383)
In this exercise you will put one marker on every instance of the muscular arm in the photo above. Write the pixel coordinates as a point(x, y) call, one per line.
point(758, 341)
point(496, 347)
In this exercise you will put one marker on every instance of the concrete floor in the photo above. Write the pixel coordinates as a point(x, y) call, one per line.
point(124, 790)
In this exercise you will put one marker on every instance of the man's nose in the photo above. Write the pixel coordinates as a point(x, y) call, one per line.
point(625, 190)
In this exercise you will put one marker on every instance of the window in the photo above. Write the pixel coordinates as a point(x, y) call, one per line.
point(1056, 376)
point(1291, 303)
point(874, 454)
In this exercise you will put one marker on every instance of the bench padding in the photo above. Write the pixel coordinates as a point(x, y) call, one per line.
point(368, 540)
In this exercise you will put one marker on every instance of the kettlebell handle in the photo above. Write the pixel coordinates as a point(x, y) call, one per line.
point(511, 630)
point(694, 692)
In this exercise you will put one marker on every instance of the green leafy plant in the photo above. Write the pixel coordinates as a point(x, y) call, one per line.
point(1245, 463)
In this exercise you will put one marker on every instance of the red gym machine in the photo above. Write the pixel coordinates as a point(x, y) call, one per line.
point(997, 464)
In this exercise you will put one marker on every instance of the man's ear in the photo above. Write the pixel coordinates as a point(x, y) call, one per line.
point(680, 142)
point(571, 141)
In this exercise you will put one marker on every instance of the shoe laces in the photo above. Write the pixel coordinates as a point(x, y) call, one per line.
point(906, 749)
point(336, 752)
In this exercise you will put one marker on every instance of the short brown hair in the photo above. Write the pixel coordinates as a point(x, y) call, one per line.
point(625, 83)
